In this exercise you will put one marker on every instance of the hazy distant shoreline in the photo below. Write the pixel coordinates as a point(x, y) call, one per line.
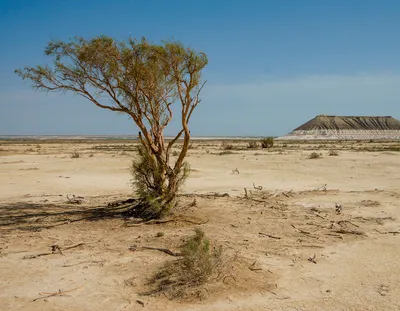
point(113, 137)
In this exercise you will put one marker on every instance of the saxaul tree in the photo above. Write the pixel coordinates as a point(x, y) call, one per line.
point(143, 80)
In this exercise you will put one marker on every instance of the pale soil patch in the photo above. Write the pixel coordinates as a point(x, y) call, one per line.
point(292, 250)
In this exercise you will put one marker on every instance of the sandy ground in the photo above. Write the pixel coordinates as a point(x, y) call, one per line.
point(291, 250)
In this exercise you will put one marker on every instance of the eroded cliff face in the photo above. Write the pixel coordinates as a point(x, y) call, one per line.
point(347, 128)
point(323, 122)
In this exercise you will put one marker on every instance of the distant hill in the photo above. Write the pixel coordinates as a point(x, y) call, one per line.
point(348, 128)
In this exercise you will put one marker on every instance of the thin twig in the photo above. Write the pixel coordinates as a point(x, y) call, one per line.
point(343, 231)
point(270, 235)
point(59, 293)
point(54, 249)
point(158, 222)
point(164, 250)
point(72, 246)
point(312, 259)
point(348, 221)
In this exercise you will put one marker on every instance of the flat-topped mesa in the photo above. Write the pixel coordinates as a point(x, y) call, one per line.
point(347, 128)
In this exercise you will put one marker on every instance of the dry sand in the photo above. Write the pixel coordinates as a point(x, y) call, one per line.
point(356, 252)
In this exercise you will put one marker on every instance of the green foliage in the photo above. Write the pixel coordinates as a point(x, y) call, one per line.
point(314, 155)
point(75, 155)
point(226, 152)
point(267, 142)
point(252, 145)
point(198, 263)
point(333, 153)
point(151, 184)
point(226, 146)
point(140, 79)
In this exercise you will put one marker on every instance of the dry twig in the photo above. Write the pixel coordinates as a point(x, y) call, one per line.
point(164, 250)
point(312, 259)
point(75, 200)
point(343, 231)
point(159, 222)
point(59, 293)
point(54, 249)
point(270, 235)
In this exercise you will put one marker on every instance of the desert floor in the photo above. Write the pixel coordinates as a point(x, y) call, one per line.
point(285, 246)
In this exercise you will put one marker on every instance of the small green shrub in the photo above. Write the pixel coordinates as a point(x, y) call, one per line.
point(175, 153)
point(151, 184)
point(267, 142)
point(160, 234)
point(252, 145)
point(226, 152)
point(314, 155)
point(198, 263)
point(226, 146)
point(75, 155)
point(333, 153)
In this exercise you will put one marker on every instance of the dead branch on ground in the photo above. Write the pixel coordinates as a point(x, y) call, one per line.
point(340, 222)
point(164, 250)
point(54, 248)
point(257, 187)
point(253, 267)
point(159, 222)
point(270, 235)
point(59, 293)
point(388, 232)
point(312, 259)
point(206, 195)
point(75, 200)
point(344, 231)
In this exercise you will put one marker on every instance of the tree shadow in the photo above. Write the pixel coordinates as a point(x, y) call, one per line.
point(38, 216)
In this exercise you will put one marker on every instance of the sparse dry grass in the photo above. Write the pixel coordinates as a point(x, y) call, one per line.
point(267, 142)
point(180, 278)
point(226, 152)
point(226, 146)
point(252, 145)
point(314, 155)
point(75, 155)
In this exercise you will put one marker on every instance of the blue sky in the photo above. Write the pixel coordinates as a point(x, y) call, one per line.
point(273, 65)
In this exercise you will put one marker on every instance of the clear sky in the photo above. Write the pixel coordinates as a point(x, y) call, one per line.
point(273, 65)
